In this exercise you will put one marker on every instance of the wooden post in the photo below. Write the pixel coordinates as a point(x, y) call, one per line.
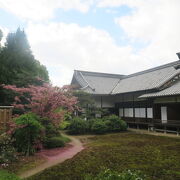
point(178, 131)
point(123, 104)
point(165, 130)
point(101, 102)
point(133, 108)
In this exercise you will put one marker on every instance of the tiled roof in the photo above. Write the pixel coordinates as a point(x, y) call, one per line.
point(103, 83)
point(170, 91)
point(147, 80)
point(97, 83)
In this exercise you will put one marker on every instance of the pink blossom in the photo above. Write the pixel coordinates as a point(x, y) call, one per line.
point(46, 101)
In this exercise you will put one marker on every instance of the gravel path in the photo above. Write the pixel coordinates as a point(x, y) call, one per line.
point(56, 156)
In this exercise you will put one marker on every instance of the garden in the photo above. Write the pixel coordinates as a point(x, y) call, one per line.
point(121, 156)
point(47, 118)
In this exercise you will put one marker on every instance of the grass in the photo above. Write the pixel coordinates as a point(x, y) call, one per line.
point(157, 157)
point(4, 175)
point(24, 163)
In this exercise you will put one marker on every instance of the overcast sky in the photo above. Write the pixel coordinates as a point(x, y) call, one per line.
point(113, 36)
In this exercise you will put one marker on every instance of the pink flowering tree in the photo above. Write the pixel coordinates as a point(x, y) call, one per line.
point(46, 101)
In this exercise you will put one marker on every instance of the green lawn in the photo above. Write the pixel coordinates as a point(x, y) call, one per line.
point(157, 157)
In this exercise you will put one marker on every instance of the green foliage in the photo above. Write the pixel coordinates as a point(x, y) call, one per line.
point(99, 127)
point(51, 131)
point(87, 105)
point(4, 175)
point(18, 65)
point(28, 133)
point(85, 99)
point(78, 126)
point(64, 125)
point(113, 175)
point(54, 142)
point(114, 123)
point(7, 151)
point(156, 157)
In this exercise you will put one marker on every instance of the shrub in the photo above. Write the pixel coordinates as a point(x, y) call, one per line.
point(112, 175)
point(90, 123)
point(51, 131)
point(7, 151)
point(64, 125)
point(99, 127)
point(114, 123)
point(54, 142)
point(123, 125)
point(28, 133)
point(78, 126)
point(4, 175)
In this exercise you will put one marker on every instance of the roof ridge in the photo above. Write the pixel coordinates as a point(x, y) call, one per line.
point(115, 86)
point(86, 81)
point(152, 69)
point(102, 74)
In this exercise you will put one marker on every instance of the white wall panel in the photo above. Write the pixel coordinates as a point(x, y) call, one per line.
point(149, 113)
point(121, 113)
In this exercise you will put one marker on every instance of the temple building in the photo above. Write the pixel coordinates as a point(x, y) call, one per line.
point(147, 99)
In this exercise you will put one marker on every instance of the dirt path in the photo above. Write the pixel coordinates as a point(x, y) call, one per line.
point(56, 156)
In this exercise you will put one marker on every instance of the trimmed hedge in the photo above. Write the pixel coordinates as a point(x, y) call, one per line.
point(114, 123)
point(55, 142)
point(78, 126)
point(98, 126)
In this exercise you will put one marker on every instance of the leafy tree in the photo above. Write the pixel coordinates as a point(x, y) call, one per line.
point(18, 65)
point(87, 105)
point(46, 101)
point(27, 135)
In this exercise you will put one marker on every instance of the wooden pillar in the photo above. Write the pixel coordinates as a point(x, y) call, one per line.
point(101, 102)
point(146, 109)
point(123, 104)
point(133, 108)
point(153, 108)
point(178, 131)
point(165, 129)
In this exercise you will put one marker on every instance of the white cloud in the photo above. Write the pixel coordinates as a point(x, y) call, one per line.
point(153, 22)
point(37, 10)
point(65, 47)
point(5, 31)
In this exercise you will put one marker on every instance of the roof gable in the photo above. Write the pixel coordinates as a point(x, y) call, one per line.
point(96, 83)
point(104, 83)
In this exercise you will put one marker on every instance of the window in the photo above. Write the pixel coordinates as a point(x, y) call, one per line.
point(121, 114)
point(164, 114)
point(149, 113)
point(128, 112)
point(137, 113)
point(140, 112)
